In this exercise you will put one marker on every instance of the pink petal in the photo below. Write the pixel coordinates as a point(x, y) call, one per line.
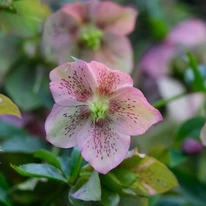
point(76, 11)
point(102, 146)
point(188, 33)
point(115, 18)
point(70, 83)
point(156, 62)
point(134, 115)
point(59, 36)
point(116, 53)
point(107, 80)
point(64, 124)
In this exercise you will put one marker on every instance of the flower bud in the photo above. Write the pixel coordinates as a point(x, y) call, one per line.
point(191, 146)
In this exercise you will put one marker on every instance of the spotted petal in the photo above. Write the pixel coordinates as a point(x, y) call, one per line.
point(103, 146)
point(115, 18)
point(107, 80)
point(70, 83)
point(64, 123)
point(133, 114)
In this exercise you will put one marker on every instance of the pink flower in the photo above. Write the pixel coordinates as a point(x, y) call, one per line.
point(97, 109)
point(156, 65)
point(93, 30)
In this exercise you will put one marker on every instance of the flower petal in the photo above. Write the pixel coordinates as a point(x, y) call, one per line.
point(188, 33)
point(76, 11)
point(182, 108)
point(116, 53)
point(59, 36)
point(102, 146)
point(64, 123)
point(70, 83)
point(156, 62)
point(134, 115)
point(107, 80)
point(115, 18)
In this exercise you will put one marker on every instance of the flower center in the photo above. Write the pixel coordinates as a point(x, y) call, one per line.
point(91, 37)
point(99, 109)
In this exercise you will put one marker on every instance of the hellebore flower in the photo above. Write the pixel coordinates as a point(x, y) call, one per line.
point(97, 109)
point(157, 66)
point(91, 31)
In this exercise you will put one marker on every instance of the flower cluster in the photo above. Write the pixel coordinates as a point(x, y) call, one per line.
point(97, 109)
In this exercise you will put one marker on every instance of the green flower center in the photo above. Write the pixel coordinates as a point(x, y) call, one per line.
point(91, 37)
point(99, 109)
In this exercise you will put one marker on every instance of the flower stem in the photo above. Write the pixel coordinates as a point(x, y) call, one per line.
point(163, 102)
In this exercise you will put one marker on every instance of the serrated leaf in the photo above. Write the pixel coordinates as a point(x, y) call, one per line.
point(8, 107)
point(91, 190)
point(48, 157)
point(40, 170)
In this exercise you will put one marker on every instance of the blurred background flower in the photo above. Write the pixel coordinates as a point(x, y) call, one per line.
point(92, 30)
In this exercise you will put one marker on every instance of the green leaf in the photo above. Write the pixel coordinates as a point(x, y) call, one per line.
point(127, 201)
point(5, 3)
point(109, 198)
point(191, 188)
point(153, 176)
point(198, 83)
point(8, 107)
point(190, 128)
point(111, 182)
point(48, 157)
point(125, 177)
point(23, 144)
point(40, 170)
point(26, 18)
point(3, 182)
point(3, 198)
point(9, 130)
point(21, 79)
point(75, 165)
point(28, 185)
point(176, 157)
point(91, 190)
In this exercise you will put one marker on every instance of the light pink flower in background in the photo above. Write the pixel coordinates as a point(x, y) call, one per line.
point(97, 109)
point(187, 34)
point(91, 30)
point(156, 65)
point(203, 135)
